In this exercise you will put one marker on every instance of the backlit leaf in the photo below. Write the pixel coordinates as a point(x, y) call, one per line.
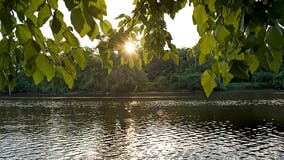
point(44, 14)
point(31, 49)
point(199, 15)
point(53, 3)
point(77, 20)
point(202, 28)
point(106, 27)
point(45, 66)
point(221, 34)
point(23, 33)
point(206, 45)
point(79, 56)
point(69, 66)
point(208, 82)
point(52, 46)
point(37, 77)
point(253, 63)
point(211, 5)
point(202, 58)
point(68, 78)
point(94, 32)
point(71, 39)
point(34, 5)
point(227, 77)
point(277, 61)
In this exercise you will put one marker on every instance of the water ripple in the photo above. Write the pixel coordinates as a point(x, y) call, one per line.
point(142, 129)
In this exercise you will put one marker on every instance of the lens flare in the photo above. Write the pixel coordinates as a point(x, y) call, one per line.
point(130, 47)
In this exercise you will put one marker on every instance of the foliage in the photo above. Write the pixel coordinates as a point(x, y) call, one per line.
point(237, 37)
point(166, 77)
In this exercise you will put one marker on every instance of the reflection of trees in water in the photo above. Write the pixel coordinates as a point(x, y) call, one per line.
point(132, 127)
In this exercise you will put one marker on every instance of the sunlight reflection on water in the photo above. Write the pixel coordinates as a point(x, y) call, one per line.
point(139, 128)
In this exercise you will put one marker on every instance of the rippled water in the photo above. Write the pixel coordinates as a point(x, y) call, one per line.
point(225, 126)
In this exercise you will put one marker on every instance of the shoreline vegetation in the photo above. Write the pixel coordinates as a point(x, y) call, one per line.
point(99, 94)
point(159, 76)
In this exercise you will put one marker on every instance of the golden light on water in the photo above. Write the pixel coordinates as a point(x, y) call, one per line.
point(130, 47)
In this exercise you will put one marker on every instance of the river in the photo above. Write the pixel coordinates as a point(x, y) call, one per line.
point(246, 125)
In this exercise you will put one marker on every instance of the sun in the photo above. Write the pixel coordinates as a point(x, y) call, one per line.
point(130, 47)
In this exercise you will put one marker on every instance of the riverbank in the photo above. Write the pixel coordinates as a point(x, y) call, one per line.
point(129, 94)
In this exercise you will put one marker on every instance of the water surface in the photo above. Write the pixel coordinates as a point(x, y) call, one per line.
point(225, 126)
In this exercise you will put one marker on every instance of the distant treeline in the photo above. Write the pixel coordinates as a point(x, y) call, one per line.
point(158, 75)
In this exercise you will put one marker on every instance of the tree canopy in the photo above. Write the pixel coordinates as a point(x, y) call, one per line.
point(237, 37)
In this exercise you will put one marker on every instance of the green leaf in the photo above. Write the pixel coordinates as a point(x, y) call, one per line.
point(208, 82)
point(70, 4)
point(106, 27)
point(34, 5)
point(68, 78)
point(37, 76)
point(206, 44)
point(32, 18)
point(53, 3)
point(253, 63)
point(277, 60)
point(43, 15)
point(211, 5)
point(39, 37)
point(202, 58)
point(227, 77)
point(166, 56)
point(71, 39)
point(202, 28)
point(55, 25)
point(86, 29)
point(94, 32)
point(54, 50)
point(221, 34)
point(31, 50)
point(4, 47)
point(77, 20)
point(52, 46)
point(274, 39)
point(240, 69)
point(199, 15)
point(69, 66)
point(65, 47)
point(8, 21)
point(23, 33)
point(11, 83)
point(45, 66)
point(79, 56)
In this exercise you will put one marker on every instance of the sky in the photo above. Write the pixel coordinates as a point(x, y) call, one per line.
point(183, 31)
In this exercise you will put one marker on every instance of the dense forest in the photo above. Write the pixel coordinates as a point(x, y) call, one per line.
point(158, 75)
